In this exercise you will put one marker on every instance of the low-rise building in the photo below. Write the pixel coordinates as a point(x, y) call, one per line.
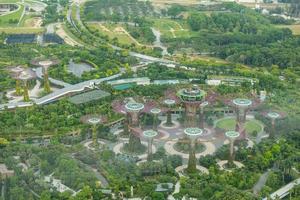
point(228, 80)
point(5, 173)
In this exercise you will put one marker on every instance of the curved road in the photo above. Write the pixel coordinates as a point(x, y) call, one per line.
point(131, 53)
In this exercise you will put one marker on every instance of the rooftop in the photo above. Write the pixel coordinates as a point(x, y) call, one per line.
point(89, 96)
point(232, 134)
point(134, 107)
point(242, 102)
point(191, 94)
point(150, 133)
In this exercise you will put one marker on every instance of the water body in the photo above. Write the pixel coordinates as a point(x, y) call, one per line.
point(158, 43)
point(79, 68)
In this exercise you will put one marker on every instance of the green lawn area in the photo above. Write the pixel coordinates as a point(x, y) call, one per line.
point(21, 30)
point(13, 18)
point(294, 28)
point(110, 30)
point(9, 1)
point(172, 28)
point(229, 124)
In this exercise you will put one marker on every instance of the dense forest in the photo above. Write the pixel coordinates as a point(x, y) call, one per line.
point(241, 35)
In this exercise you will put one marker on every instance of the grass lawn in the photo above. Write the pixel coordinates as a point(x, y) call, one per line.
point(229, 124)
point(294, 28)
point(9, 1)
point(21, 30)
point(110, 31)
point(172, 28)
point(14, 16)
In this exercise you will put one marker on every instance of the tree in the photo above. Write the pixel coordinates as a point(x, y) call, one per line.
point(157, 196)
point(85, 194)
point(175, 10)
point(231, 193)
point(45, 195)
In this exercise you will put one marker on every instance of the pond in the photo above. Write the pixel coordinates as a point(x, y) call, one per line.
point(79, 68)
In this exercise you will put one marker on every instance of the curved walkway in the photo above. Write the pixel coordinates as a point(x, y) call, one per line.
point(175, 125)
point(117, 150)
point(221, 164)
point(169, 147)
point(88, 144)
point(165, 136)
point(199, 167)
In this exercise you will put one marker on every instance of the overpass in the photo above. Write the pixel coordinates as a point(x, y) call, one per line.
point(69, 89)
point(284, 191)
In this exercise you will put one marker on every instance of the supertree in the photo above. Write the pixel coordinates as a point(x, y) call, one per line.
point(193, 133)
point(201, 113)
point(45, 64)
point(15, 72)
point(133, 111)
point(155, 112)
point(169, 103)
point(241, 107)
point(150, 134)
point(25, 76)
point(93, 120)
point(191, 98)
point(273, 116)
point(232, 135)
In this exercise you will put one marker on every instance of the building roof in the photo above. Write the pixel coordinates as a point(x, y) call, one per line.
point(130, 80)
point(89, 96)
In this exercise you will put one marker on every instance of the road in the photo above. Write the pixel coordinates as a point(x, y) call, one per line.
point(50, 28)
point(261, 182)
point(99, 176)
point(131, 53)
